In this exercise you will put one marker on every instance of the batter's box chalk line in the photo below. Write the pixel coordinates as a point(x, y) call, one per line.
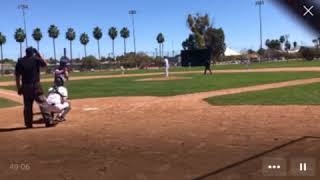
point(90, 109)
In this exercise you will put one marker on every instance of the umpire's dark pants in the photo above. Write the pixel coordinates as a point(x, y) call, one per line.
point(31, 93)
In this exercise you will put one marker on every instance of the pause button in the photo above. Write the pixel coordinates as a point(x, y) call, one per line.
point(303, 167)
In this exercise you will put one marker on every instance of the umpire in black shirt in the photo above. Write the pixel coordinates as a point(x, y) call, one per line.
point(28, 68)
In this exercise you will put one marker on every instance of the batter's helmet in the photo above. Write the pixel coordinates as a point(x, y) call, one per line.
point(64, 60)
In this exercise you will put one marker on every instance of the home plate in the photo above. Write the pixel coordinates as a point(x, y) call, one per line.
point(90, 109)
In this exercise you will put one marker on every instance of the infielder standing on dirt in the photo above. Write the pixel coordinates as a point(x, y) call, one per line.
point(207, 67)
point(28, 68)
point(167, 66)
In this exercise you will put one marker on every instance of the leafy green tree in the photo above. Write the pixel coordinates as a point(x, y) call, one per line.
point(3, 40)
point(113, 33)
point(267, 43)
point(20, 36)
point(160, 40)
point(97, 34)
point(199, 24)
point(205, 36)
point(89, 62)
point(215, 42)
point(54, 32)
point(316, 43)
point(287, 45)
point(250, 51)
point(125, 33)
point(189, 43)
point(37, 36)
point(84, 40)
point(282, 40)
point(261, 51)
point(295, 44)
point(71, 36)
point(274, 44)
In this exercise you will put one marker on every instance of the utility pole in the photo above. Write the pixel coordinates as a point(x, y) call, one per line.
point(23, 7)
point(260, 3)
point(172, 49)
point(132, 13)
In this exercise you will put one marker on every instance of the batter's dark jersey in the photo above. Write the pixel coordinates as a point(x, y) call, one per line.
point(29, 69)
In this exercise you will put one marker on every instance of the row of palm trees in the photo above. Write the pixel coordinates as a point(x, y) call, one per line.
point(70, 35)
point(54, 32)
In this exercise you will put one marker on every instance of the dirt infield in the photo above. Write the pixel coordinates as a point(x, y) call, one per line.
point(180, 137)
point(147, 138)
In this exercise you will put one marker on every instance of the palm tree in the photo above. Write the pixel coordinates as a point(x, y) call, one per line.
point(295, 44)
point(97, 34)
point(268, 41)
point(160, 40)
point(2, 42)
point(125, 33)
point(282, 39)
point(37, 36)
point(20, 36)
point(53, 32)
point(113, 33)
point(84, 40)
point(70, 35)
point(316, 43)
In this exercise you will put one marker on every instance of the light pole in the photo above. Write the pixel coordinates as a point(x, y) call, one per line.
point(156, 50)
point(23, 7)
point(132, 13)
point(260, 3)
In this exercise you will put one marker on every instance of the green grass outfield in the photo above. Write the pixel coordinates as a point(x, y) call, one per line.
point(7, 103)
point(296, 95)
point(314, 63)
point(199, 83)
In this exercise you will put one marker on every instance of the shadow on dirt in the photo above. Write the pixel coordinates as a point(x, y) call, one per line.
point(3, 130)
point(39, 121)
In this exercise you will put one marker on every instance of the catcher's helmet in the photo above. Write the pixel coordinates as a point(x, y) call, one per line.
point(58, 81)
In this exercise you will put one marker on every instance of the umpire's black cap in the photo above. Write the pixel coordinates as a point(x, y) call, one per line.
point(30, 51)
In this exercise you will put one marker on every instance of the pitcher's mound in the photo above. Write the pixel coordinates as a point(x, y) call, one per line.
point(164, 78)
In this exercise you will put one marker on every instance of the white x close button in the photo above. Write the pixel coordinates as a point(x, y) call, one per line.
point(308, 10)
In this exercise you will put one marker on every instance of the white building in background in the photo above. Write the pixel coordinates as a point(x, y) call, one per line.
point(295, 50)
point(231, 52)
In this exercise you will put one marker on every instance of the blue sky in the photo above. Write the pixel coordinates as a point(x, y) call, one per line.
point(238, 18)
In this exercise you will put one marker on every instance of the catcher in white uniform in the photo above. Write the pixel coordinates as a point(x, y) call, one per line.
point(58, 99)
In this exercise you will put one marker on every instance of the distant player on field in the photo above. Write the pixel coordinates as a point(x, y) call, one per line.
point(167, 66)
point(207, 67)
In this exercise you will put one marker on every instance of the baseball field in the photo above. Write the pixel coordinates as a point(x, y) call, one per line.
point(140, 125)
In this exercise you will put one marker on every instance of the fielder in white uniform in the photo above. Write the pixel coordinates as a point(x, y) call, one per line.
point(58, 99)
point(167, 66)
